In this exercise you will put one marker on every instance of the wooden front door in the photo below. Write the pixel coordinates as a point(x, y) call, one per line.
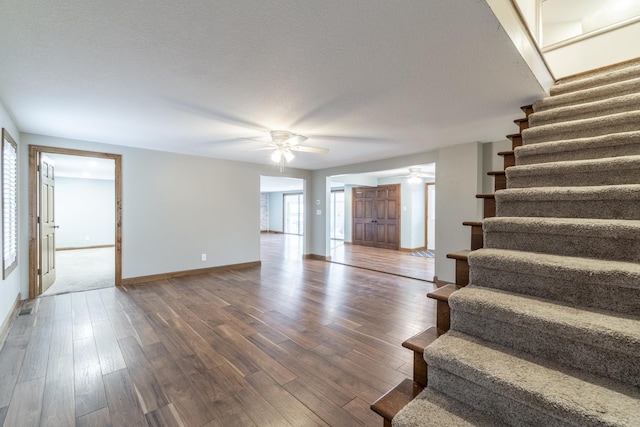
point(387, 216)
point(47, 235)
point(376, 216)
point(363, 216)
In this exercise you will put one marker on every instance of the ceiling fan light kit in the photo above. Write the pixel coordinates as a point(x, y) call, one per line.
point(415, 176)
point(414, 180)
point(284, 142)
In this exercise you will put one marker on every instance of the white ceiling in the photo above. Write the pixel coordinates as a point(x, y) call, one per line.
point(367, 79)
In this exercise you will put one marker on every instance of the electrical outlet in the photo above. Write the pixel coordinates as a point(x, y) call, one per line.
point(203, 257)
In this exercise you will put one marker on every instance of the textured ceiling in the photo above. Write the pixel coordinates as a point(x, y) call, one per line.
point(367, 79)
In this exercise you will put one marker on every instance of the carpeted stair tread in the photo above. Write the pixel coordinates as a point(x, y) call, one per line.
point(607, 201)
point(588, 95)
point(615, 145)
point(433, 409)
point(608, 285)
point(620, 73)
point(597, 341)
point(583, 128)
point(510, 383)
point(547, 330)
point(603, 107)
point(591, 172)
point(594, 238)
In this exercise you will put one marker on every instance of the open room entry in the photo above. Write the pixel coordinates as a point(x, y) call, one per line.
point(282, 215)
point(383, 230)
point(75, 212)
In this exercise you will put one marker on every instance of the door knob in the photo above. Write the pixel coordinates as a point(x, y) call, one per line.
point(56, 226)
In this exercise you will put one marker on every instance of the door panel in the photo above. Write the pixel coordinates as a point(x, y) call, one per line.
point(47, 225)
point(376, 216)
point(363, 214)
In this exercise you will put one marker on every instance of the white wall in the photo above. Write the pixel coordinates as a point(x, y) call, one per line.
point(176, 207)
point(418, 216)
point(527, 47)
point(529, 9)
point(431, 215)
point(348, 216)
point(492, 162)
point(85, 212)
point(276, 211)
point(599, 51)
point(264, 211)
point(10, 287)
point(459, 179)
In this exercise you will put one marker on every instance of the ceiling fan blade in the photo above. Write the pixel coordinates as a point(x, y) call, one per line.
point(355, 139)
point(296, 139)
point(262, 141)
point(307, 149)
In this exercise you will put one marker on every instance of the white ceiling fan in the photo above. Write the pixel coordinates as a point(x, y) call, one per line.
point(416, 175)
point(284, 142)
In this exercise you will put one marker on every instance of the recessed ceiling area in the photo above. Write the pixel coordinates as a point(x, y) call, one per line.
point(366, 80)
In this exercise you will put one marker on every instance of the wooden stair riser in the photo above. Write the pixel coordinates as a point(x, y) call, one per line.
point(499, 181)
point(443, 317)
point(417, 344)
point(462, 272)
point(420, 369)
point(522, 123)
point(443, 314)
point(489, 205)
point(527, 110)
point(516, 140)
point(508, 159)
point(477, 236)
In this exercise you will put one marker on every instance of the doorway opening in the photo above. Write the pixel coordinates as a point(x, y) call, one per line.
point(282, 212)
point(45, 236)
point(337, 215)
point(414, 216)
point(293, 213)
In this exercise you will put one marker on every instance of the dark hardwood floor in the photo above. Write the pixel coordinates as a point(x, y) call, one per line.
point(290, 343)
point(384, 260)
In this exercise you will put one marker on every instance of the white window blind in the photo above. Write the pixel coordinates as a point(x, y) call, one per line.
point(9, 203)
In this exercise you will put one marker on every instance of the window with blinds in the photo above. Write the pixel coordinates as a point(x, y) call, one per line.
point(9, 204)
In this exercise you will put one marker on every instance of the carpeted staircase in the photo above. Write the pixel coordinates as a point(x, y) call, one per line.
point(547, 333)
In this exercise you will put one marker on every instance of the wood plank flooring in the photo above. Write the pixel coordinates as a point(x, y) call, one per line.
point(384, 260)
point(291, 343)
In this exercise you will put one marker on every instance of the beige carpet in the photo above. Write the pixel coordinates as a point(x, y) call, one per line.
point(83, 269)
point(547, 333)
